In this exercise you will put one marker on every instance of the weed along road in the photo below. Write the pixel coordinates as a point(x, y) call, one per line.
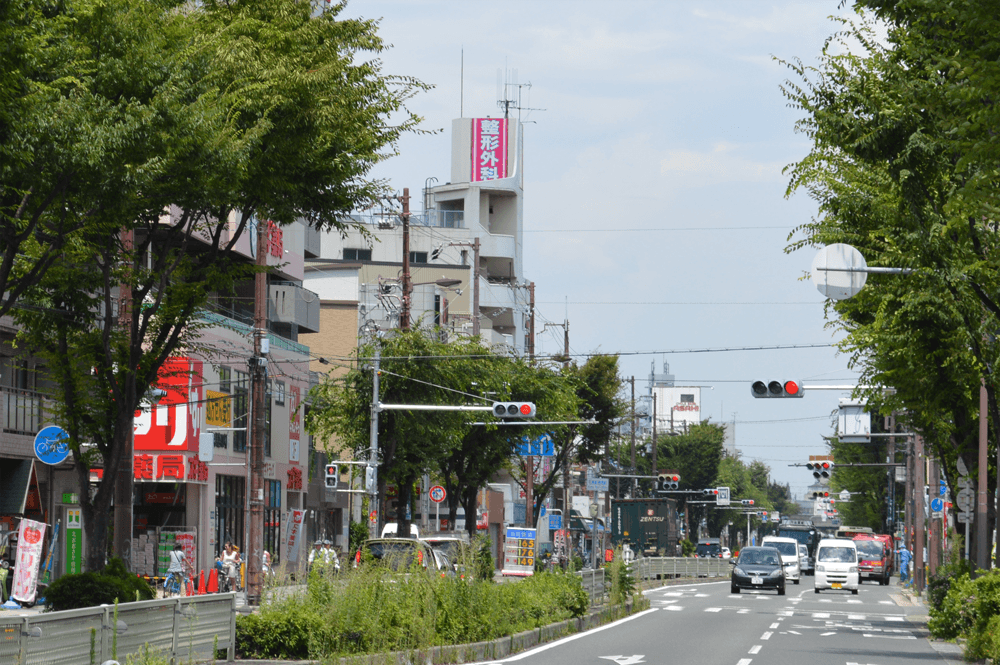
point(707, 624)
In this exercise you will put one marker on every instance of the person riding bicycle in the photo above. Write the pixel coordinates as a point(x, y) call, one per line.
point(231, 565)
point(174, 582)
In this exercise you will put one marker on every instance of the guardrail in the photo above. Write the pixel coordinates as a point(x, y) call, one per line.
point(593, 583)
point(180, 629)
point(648, 568)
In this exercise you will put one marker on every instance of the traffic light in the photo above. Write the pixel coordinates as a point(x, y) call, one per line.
point(709, 492)
point(820, 495)
point(669, 480)
point(746, 502)
point(776, 389)
point(332, 476)
point(514, 409)
point(821, 469)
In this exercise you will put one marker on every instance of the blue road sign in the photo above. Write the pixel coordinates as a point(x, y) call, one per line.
point(944, 488)
point(937, 505)
point(542, 446)
point(555, 522)
point(51, 446)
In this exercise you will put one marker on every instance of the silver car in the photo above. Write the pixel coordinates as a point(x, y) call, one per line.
point(806, 561)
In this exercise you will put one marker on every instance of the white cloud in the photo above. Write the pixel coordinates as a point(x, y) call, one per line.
point(720, 164)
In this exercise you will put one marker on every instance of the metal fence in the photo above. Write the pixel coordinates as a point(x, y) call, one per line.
point(651, 568)
point(593, 583)
point(178, 628)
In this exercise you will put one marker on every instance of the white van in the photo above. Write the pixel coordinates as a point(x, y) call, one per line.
point(789, 548)
point(836, 565)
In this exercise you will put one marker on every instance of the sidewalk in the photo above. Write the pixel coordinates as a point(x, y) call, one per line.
point(950, 652)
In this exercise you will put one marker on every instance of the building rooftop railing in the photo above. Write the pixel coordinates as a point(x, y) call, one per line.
point(444, 219)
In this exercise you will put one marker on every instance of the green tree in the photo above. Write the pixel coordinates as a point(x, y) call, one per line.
point(225, 116)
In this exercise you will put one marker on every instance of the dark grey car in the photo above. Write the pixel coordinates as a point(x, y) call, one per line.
point(758, 568)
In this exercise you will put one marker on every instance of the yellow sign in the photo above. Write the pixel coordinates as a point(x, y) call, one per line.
point(219, 409)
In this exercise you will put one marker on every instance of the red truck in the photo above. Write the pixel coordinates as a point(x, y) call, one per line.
point(876, 557)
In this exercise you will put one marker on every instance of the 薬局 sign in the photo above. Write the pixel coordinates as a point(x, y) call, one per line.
point(489, 149)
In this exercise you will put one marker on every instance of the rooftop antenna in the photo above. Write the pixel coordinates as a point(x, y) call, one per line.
point(509, 93)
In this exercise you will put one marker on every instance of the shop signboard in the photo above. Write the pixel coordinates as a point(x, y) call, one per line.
point(174, 423)
point(74, 541)
point(293, 535)
point(519, 552)
point(30, 536)
point(489, 149)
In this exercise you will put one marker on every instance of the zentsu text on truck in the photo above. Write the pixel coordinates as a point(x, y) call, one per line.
point(649, 526)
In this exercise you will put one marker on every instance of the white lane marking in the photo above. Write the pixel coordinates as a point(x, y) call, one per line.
point(857, 617)
point(766, 635)
point(701, 595)
point(626, 660)
point(821, 615)
point(674, 593)
point(786, 614)
point(892, 637)
point(755, 649)
point(570, 638)
point(895, 618)
point(825, 634)
point(774, 625)
point(666, 602)
point(853, 602)
point(745, 661)
point(713, 609)
point(674, 608)
point(743, 611)
point(825, 600)
point(886, 602)
point(794, 632)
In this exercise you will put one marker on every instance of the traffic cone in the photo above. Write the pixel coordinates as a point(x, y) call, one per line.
point(201, 583)
point(213, 581)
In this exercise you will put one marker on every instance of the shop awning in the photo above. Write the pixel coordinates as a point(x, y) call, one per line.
point(15, 478)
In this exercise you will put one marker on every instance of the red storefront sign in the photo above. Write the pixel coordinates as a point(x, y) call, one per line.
point(174, 423)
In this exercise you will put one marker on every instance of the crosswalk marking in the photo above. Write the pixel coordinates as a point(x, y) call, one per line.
point(857, 617)
point(895, 619)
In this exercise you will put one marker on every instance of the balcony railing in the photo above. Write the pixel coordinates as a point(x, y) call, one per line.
point(22, 411)
point(444, 219)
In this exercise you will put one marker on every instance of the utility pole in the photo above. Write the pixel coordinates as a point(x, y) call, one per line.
point(918, 495)
point(258, 378)
point(635, 481)
point(982, 541)
point(891, 477)
point(475, 287)
point(934, 532)
point(404, 310)
point(371, 470)
point(531, 321)
point(655, 467)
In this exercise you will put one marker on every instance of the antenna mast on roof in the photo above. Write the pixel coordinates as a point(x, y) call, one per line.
point(509, 93)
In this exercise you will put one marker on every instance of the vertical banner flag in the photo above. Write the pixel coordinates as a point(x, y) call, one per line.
point(30, 536)
point(489, 149)
point(294, 533)
point(74, 541)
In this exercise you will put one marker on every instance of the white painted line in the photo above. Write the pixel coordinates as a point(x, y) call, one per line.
point(766, 636)
point(743, 611)
point(745, 661)
point(667, 602)
point(895, 618)
point(825, 600)
point(886, 602)
point(821, 615)
point(774, 625)
point(857, 617)
point(892, 637)
point(701, 595)
point(825, 634)
point(786, 614)
point(713, 609)
point(793, 632)
point(674, 608)
point(755, 649)
point(674, 593)
point(853, 602)
point(570, 638)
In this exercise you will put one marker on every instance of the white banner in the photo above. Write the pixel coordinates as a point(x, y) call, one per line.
point(293, 533)
point(30, 537)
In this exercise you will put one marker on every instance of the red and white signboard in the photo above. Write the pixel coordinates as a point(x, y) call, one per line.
point(293, 538)
point(174, 423)
point(489, 149)
point(30, 536)
point(437, 494)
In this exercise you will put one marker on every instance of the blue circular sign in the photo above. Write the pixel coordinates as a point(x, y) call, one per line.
point(51, 445)
point(937, 505)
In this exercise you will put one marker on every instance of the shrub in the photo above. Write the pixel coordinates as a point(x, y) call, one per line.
point(687, 547)
point(91, 589)
point(622, 582)
point(954, 566)
point(967, 611)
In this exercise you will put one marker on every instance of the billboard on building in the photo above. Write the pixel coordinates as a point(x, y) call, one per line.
point(174, 423)
point(489, 149)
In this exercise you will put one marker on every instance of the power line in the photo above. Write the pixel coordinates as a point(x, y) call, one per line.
point(664, 228)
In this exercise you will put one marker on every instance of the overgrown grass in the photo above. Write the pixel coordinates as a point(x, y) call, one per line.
point(375, 610)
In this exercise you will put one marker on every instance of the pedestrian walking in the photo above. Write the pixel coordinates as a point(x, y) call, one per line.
point(904, 564)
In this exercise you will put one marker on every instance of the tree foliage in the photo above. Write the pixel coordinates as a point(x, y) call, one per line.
point(903, 165)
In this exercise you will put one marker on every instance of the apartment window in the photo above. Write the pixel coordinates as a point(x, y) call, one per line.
point(355, 254)
point(229, 510)
point(418, 257)
point(225, 379)
point(687, 399)
point(279, 392)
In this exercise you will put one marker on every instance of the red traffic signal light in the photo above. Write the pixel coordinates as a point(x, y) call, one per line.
point(776, 389)
point(514, 409)
point(331, 476)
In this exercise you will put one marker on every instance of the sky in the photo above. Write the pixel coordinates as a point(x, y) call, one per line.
point(655, 207)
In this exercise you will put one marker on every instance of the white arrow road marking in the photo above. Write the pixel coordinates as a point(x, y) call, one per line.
point(755, 649)
point(626, 660)
point(766, 636)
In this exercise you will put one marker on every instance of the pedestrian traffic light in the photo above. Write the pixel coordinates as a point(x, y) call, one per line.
point(514, 409)
point(746, 502)
point(776, 389)
point(332, 476)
